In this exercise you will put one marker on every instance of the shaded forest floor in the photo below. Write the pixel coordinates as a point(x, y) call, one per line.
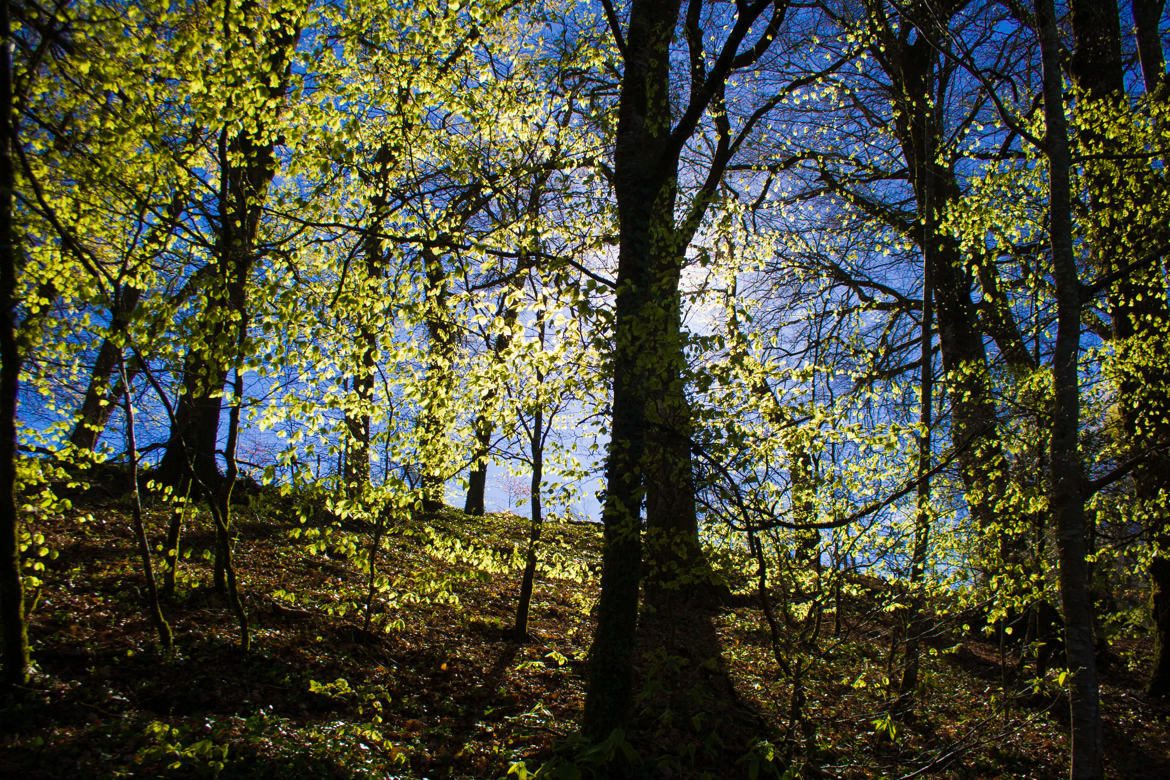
point(438, 688)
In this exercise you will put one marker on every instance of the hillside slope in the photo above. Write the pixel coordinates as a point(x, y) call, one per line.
point(434, 685)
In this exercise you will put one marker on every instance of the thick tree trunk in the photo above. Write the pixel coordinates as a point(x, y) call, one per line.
point(675, 566)
point(16, 655)
point(477, 478)
point(1137, 300)
point(611, 660)
point(650, 447)
point(1159, 682)
point(1066, 491)
point(195, 429)
point(644, 183)
point(247, 164)
point(1147, 15)
point(100, 398)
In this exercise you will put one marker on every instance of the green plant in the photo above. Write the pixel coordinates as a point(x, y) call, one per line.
point(170, 746)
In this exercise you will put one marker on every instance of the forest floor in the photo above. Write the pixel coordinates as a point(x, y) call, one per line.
point(435, 686)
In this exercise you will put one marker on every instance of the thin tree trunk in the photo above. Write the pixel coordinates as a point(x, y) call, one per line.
point(536, 450)
point(1158, 684)
point(1066, 492)
point(221, 511)
point(171, 555)
point(913, 66)
point(372, 580)
point(153, 608)
point(435, 437)
point(484, 424)
point(916, 625)
point(484, 428)
point(356, 475)
point(16, 652)
point(803, 487)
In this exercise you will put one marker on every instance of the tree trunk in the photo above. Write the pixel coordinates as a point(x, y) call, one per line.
point(195, 429)
point(1066, 492)
point(171, 555)
point(912, 65)
point(221, 508)
point(12, 623)
point(153, 608)
point(484, 425)
point(1137, 300)
point(100, 399)
point(247, 164)
point(645, 195)
point(675, 566)
point(650, 448)
point(372, 580)
point(803, 485)
point(484, 428)
point(477, 478)
point(356, 475)
point(916, 623)
point(536, 450)
point(435, 437)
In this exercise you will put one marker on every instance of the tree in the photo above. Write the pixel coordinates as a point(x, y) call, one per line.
point(16, 653)
point(1126, 228)
point(1066, 492)
point(245, 156)
point(649, 453)
point(918, 59)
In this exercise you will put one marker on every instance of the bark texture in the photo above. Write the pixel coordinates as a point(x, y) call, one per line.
point(12, 623)
point(100, 397)
point(642, 180)
point(650, 436)
point(1123, 223)
point(1066, 480)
